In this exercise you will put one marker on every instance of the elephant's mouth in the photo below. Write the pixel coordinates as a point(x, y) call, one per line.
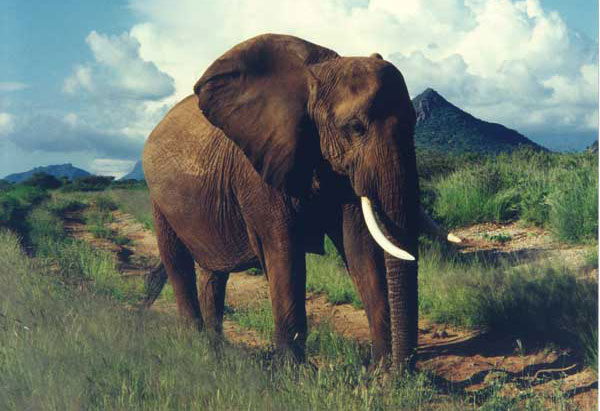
point(381, 235)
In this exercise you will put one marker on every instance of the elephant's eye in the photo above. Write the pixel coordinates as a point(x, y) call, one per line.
point(356, 127)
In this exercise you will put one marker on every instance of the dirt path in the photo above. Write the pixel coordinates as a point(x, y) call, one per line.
point(467, 359)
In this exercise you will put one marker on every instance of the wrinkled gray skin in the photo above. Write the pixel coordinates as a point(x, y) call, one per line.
point(273, 151)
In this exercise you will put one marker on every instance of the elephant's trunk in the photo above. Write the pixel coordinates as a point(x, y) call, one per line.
point(401, 269)
point(403, 301)
point(395, 195)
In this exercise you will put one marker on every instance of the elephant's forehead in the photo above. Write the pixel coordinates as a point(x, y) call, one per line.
point(352, 104)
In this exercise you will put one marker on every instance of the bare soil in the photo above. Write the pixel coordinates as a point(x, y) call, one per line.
point(467, 359)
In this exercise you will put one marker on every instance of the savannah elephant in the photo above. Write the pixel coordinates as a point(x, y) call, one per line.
point(285, 141)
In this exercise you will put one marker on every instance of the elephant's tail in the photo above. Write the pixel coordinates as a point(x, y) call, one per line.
point(153, 284)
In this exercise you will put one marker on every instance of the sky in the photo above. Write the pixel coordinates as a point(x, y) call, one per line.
point(86, 82)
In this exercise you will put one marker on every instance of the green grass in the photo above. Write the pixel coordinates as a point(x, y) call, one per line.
point(79, 262)
point(573, 213)
point(105, 203)
point(327, 274)
point(97, 221)
point(69, 343)
point(499, 238)
point(135, 202)
point(546, 301)
point(258, 317)
point(70, 348)
point(557, 191)
point(15, 203)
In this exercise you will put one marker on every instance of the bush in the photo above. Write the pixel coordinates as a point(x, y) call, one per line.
point(43, 180)
point(537, 299)
point(558, 191)
point(16, 202)
point(89, 183)
point(573, 215)
point(129, 184)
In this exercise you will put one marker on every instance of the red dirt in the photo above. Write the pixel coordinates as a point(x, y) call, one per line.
point(467, 359)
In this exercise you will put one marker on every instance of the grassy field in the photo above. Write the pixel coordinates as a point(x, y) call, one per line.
point(70, 344)
point(73, 339)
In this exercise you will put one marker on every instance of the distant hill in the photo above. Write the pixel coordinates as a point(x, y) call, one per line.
point(136, 174)
point(443, 126)
point(61, 170)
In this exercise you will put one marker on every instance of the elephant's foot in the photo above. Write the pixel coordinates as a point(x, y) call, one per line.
point(291, 349)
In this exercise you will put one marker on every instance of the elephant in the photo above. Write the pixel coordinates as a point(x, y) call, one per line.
point(282, 143)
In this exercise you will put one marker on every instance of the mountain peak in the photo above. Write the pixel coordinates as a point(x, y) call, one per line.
point(443, 126)
point(427, 102)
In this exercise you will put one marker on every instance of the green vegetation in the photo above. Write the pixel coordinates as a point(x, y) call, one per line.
point(15, 203)
point(97, 221)
point(70, 338)
point(68, 347)
point(88, 183)
point(499, 238)
point(557, 191)
point(542, 300)
point(327, 274)
point(445, 127)
point(135, 202)
point(79, 262)
point(43, 181)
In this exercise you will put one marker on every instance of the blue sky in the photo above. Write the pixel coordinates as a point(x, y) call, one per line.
point(85, 82)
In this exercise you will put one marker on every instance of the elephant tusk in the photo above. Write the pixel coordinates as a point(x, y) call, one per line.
point(378, 235)
point(430, 226)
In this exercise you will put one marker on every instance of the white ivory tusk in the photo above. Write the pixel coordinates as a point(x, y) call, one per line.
point(427, 224)
point(454, 239)
point(378, 235)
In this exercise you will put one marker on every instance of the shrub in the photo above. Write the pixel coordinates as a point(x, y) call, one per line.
point(538, 299)
point(558, 191)
point(574, 206)
point(89, 183)
point(16, 202)
point(44, 181)
point(105, 203)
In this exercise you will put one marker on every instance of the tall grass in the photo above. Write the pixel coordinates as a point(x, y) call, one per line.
point(543, 300)
point(558, 191)
point(78, 262)
point(574, 207)
point(64, 348)
point(16, 201)
point(327, 274)
point(135, 202)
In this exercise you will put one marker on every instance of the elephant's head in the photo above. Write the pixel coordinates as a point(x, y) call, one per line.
point(290, 105)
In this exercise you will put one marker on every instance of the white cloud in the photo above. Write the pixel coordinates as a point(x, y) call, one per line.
point(508, 61)
point(111, 167)
point(7, 123)
point(118, 71)
point(42, 131)
point(8, 86)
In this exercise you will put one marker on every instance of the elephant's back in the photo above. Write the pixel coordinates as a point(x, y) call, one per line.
point(180, 143)
point(190, 168)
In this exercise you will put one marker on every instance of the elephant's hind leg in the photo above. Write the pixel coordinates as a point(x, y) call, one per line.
point(179, 264)
point(211, 289)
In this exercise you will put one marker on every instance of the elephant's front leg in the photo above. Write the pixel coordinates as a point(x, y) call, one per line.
point(365, 263)
point(286, 272)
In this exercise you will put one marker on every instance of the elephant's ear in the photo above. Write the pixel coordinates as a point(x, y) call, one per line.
point(257, 93)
